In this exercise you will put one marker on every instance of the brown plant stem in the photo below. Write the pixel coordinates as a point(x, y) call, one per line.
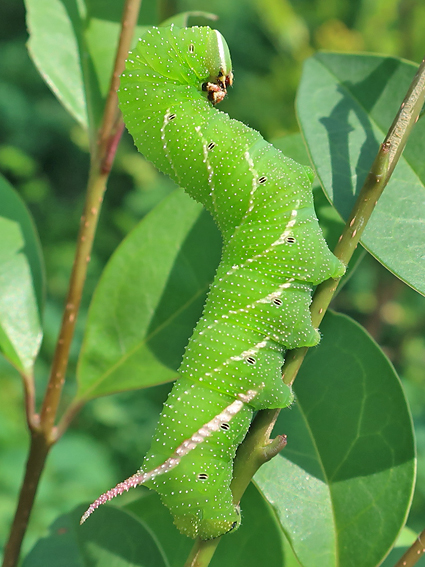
point(348, 241)
point(388, 155)
point(101, 162)
point(248, 458)
point(34, 468)
point(414, 553)
point(42, 428)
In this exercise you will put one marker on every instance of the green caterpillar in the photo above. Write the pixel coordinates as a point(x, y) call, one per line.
point(258, 305)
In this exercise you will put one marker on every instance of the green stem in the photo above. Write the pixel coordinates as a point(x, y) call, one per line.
point(42, 428)
point(202, 552)
point(248, 458)
point(257, 450)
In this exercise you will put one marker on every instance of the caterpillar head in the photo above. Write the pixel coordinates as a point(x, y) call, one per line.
point(220, 66)
point(209, 57)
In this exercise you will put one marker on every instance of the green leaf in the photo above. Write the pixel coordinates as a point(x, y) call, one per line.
point(148, 298)
point(343, 485)
point(21, 281)
point(55, 45)
point(143, 534)
point(150, 510)
point(346, 104)
point(112, 538)
point(238, 548)
point(73, 45)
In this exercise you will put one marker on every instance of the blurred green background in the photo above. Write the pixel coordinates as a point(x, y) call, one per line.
point(43, 153)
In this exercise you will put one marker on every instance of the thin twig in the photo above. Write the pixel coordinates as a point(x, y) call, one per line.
point(101, 162)
point(414, 553)
point(388, 155)
point(34, 468)
point(43, 431)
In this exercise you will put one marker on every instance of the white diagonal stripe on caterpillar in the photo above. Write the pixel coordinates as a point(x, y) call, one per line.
point(276, 294)
point(165, 123)
point(206, 160)
point(254, 183)
point(266, 299)
point(279, 241)
point(236, 358)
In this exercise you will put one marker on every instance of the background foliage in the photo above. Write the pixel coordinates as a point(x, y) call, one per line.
point(43, 153)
